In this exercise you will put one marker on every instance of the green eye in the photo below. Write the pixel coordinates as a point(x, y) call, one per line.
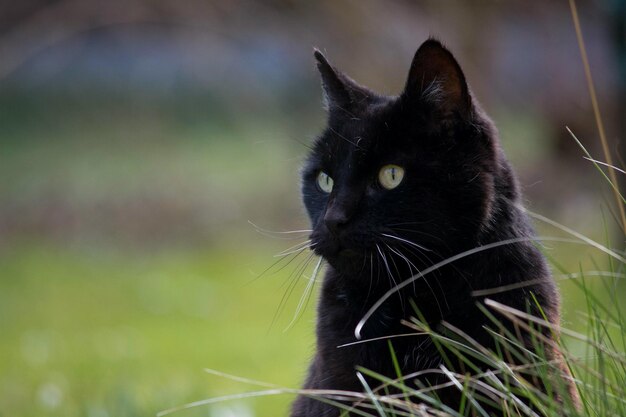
point(324, 182)
point(390, 176)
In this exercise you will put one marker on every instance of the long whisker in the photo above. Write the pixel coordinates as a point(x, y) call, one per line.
point(406, 241)
point(293, 280)
point(384, 258)
point(408, 262)
point(297, 271)
point(489, 246)
point(410, 246)
point(297, 254)
point(295, 248)
point(278, 232)
point(302, 249)
point(412, 265)
point(308, 290)
point(398, 273)
point(419, 232)
point(276, 263)
point(420, 254)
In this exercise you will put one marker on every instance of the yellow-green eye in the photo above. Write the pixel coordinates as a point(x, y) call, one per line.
point(390, 176)
point(324, 182)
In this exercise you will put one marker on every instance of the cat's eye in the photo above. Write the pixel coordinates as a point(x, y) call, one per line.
point(325, 182)
point(390, 176)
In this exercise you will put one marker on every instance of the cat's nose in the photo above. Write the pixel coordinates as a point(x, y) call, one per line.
point(335, 218)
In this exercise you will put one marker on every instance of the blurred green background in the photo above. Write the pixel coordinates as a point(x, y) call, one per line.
point(139, 139)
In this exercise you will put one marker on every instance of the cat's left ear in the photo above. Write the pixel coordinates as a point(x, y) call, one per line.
point(342, 95)
point(436, 79)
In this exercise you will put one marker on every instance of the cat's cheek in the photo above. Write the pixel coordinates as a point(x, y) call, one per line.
point(488, 198)
point(314, 202)
point(372, 192)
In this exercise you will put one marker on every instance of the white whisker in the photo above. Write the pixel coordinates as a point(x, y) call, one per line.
point(305, 295)
point(412, 265)
point(384, 258)
point(295, 248)
point(406, 241)
point(390, 292)
point(280, 234)
point(292, 280)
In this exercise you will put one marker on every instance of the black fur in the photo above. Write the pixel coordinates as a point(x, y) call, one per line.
point(458, 192)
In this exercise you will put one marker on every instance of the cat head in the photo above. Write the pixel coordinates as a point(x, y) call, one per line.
point(409, 173)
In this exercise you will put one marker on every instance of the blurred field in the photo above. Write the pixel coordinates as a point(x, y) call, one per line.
point(120, 334)
point(128, 266)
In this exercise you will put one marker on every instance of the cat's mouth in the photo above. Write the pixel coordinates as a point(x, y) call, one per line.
point(343, 258)
point(333, 249)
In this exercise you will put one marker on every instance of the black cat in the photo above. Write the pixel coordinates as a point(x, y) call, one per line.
point(394, 185)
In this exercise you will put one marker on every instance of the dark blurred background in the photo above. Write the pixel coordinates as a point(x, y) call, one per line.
point(138, 139)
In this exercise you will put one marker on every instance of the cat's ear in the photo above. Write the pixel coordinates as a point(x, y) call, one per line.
point(436, 79)
point(341, 93)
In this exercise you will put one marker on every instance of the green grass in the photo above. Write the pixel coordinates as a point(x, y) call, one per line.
point(96, 333)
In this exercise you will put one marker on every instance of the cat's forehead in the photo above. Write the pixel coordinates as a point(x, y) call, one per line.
point(352, 140)
point(363, 137)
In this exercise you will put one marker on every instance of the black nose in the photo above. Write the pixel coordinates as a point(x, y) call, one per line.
point(335, 219)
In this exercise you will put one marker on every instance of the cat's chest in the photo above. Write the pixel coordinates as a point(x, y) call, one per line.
point(410, 353)
point(340, 314)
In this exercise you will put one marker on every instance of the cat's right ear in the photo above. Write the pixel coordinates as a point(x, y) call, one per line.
point(341, 93)
point(436, 79)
